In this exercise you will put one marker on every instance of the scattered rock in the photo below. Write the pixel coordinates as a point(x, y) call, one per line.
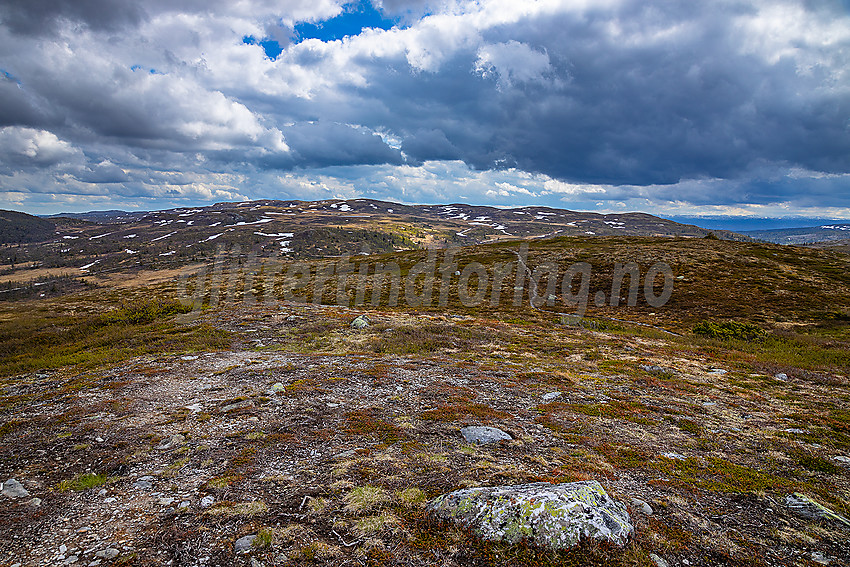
point(808, 508)
point(174, 442)
point(35, 502)
point(14, 489)
point(108, 553)
point(236, 405)
point(658, 561)
point(820, 558)
point(782, 377)
point(143, 483)
point(360, 322)
point(244, 544)
point(674, 456)
point(277, 388)
point(795, 430)
point(843, 461)
point(551, 396)
point(642, 506)
point(718, 371)
point(256, 563)
point(552, 515)
point(207, 501)
point(482, 434)
point(190, 357)
point(653, 369)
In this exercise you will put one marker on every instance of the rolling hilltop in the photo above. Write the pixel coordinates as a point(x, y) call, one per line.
point(109, 240)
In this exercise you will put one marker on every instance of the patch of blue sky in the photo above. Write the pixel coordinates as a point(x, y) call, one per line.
point(355, 17)
point(9, 76)
point(270, 46)
point(140, 68)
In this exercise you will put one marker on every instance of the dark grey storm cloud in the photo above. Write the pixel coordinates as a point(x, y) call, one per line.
point(742, 103)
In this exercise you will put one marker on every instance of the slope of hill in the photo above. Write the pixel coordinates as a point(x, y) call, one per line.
point(17, 228)
point(158, 432)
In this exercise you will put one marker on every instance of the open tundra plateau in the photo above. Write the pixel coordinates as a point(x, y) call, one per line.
point(198, 414)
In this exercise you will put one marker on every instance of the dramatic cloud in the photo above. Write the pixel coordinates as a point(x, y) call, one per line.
point(663, 106)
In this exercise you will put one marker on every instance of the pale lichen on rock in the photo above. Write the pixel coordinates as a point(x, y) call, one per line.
point(558, 516)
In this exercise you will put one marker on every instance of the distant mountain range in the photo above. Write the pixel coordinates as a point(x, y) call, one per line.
point(808, 235)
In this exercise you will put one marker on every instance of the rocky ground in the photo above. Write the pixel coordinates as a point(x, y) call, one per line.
point(310, 442)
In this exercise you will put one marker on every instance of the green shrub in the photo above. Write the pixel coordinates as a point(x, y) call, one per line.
point(144, 311)
point(730, 330)
point(83, 482)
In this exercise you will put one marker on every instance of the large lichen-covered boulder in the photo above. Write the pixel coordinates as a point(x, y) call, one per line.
point(551, 515)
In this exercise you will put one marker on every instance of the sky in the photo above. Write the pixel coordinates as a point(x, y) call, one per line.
point(729, 108)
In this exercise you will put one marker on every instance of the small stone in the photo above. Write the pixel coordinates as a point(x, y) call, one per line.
point(143, 483)
point(256, 563)
point(184, 504)
point(235, 406)
point(243, 544)
point(207, 501)
point(685, 562)
point(109, 500)
point(674, 456)
point(653, 369)
point(658, 561)
point(277, 388)
point(187, 358)
point(63, 548)
point(360, 322)
point(13, 489)
point(71, 559)
point(782, 377)
point(809, 508)
point(843, 461)
point(108, 553)
point(551, 396)
point(718, 371)
point(795, 430)
point(99, 439)
point(101, 492)
point(481, 434)
point(175, 441)
point(820, 558)
point(642, 506)
point(35, 502)
point(166, 501)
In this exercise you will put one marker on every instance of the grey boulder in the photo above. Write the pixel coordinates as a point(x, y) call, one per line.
point(243, 544)
point(360, 322)
point(482, 434)
point(557, 516)
point(808, 508)
point(14, 489)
